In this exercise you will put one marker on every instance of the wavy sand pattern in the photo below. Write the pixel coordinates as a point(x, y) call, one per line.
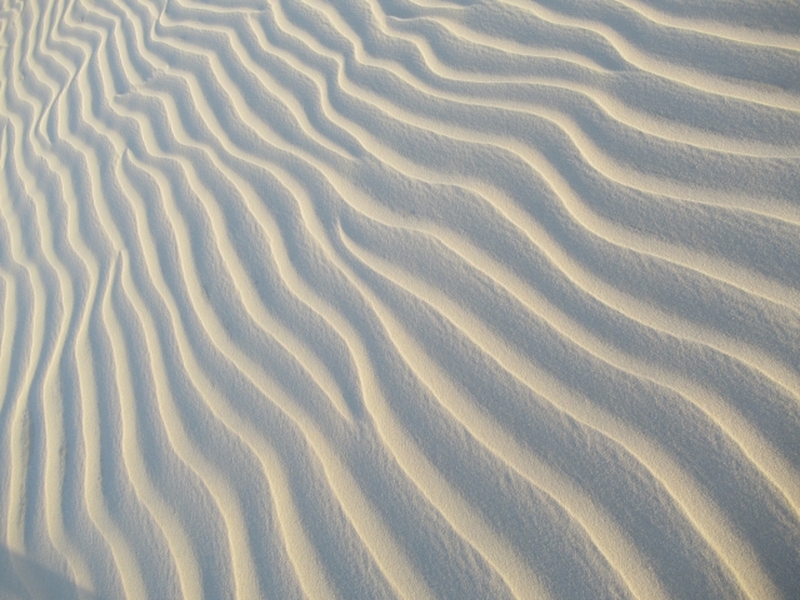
point(399, 298)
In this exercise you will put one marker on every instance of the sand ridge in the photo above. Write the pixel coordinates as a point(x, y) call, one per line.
point(393, 298)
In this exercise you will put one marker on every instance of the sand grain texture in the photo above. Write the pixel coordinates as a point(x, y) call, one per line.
point(388, 298)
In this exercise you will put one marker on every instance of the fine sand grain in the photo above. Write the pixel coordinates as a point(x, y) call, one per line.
point(400, 298)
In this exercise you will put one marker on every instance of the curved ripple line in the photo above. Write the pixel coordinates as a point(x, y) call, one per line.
point(224, 228)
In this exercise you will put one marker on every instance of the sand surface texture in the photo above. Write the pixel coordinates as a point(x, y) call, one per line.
point(400, 298)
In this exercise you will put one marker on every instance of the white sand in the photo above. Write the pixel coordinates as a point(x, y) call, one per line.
point(400, 298)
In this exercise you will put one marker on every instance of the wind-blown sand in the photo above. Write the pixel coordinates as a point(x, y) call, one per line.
point(399, 298)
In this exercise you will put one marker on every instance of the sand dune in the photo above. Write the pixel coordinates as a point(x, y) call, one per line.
point(394, 298)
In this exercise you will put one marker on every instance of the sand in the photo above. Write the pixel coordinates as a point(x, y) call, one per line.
point(400, 298)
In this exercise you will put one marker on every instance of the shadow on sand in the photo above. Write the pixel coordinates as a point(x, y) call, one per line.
point(23, 578)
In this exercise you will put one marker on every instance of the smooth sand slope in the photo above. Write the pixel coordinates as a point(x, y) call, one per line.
point(400, 298)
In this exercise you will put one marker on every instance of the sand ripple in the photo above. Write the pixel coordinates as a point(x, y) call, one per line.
point(394, 298)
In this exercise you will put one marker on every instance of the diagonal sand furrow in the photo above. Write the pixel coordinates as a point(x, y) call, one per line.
point(638, 120)
point(736, 276)
point(94, 495)
point(511, 567)
point(633, 308)
point(495, 552)
point(18, 407)
point(399, 298)
point(714, 28)
point(344, 488)
point(731, 274)
point(123, 554)
point(247, 291)
point(781, 473)
point(650, 63)
point(787, 294)
point(431, 484)
point(132, 579)
point(708, 518)
point(407, 579)
point(757, 447)
point(448, 73)
point(53, 487)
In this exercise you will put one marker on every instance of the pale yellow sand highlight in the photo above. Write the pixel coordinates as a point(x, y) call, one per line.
point(388, 298)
